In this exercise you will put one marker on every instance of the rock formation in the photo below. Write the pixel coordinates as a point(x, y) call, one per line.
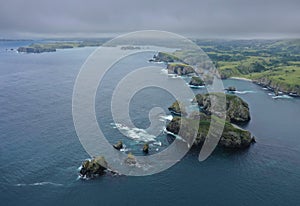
point(237, 110)
point(93, 167)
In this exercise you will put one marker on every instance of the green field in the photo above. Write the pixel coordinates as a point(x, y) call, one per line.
point(274, 63)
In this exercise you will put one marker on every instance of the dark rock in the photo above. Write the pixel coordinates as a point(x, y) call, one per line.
point(119, 145)
point(196, 115)
point(146, 148)
point(93, 167)
point(231, 89)
point(177, 108)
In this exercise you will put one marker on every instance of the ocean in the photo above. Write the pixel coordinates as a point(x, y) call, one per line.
point(40, 152)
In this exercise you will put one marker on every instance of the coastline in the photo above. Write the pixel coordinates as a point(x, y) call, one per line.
point(242, 78)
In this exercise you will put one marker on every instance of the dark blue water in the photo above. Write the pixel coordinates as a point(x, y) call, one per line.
point(40, 152)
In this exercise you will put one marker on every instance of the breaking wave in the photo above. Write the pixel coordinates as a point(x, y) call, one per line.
point(136, 133)
point(39, 184)
point(196, 87)
point(282, 97)
point(168, 117)
point(245, 92)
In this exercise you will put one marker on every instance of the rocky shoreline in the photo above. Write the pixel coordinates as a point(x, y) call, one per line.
point(236, 112)
point(277, 88)
point(272, 86)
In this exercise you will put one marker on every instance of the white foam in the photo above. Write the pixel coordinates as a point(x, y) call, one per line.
point(164, 71)
point(175, 135)
point(196, 87)
point(39, 184)
point(168, 117)
point(157, 143)
point(282, 97)
point(174, 76)
point(157, 62)
point(244, 92)
point(136, 133)
point(125, 149)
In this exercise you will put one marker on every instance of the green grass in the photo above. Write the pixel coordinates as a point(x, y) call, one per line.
point(288, 76)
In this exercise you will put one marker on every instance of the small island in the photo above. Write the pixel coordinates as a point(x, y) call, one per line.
point(196, 81)
point(237, 112)
point(53, 46)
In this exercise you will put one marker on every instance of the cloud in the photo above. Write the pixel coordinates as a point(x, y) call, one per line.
point(223, 18)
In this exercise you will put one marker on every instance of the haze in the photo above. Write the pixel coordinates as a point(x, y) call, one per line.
point(94, 18)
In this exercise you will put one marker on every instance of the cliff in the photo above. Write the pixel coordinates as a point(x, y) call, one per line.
point(165, 57)
point(196, 81)
point(237, 110)
point(180, 69)
point(232, 137)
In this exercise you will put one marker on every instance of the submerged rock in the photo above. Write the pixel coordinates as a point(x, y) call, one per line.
point(130, 160)
point(93, 167)
point(231, 89)
point(237, 110)
point(119, 145)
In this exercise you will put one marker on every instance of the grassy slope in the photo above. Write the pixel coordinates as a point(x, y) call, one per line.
point(275, 60)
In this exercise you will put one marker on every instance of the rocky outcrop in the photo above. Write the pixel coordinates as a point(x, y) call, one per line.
point(93, 167)
point(231, 89)
point(165, 57)
point(177, 108)
point(35, 49)
point(180, 69)
point(277, 86)
point(237, 110)
point(146, 148)
point(119, 145)
point(196, 81)
point(232, 137)
point(130, 160)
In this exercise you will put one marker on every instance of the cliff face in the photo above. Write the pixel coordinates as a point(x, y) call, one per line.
point(196, 81)
point(177, 108)
point(237, 110)
point(232, 137)
point(180, 69)
point(278, 86)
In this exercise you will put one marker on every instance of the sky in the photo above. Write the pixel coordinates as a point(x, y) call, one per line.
point(194, 18)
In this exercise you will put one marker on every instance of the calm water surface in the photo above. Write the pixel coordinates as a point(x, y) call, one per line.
point(40, 151)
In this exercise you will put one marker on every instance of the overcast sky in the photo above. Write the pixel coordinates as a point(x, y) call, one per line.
point(202, 18)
